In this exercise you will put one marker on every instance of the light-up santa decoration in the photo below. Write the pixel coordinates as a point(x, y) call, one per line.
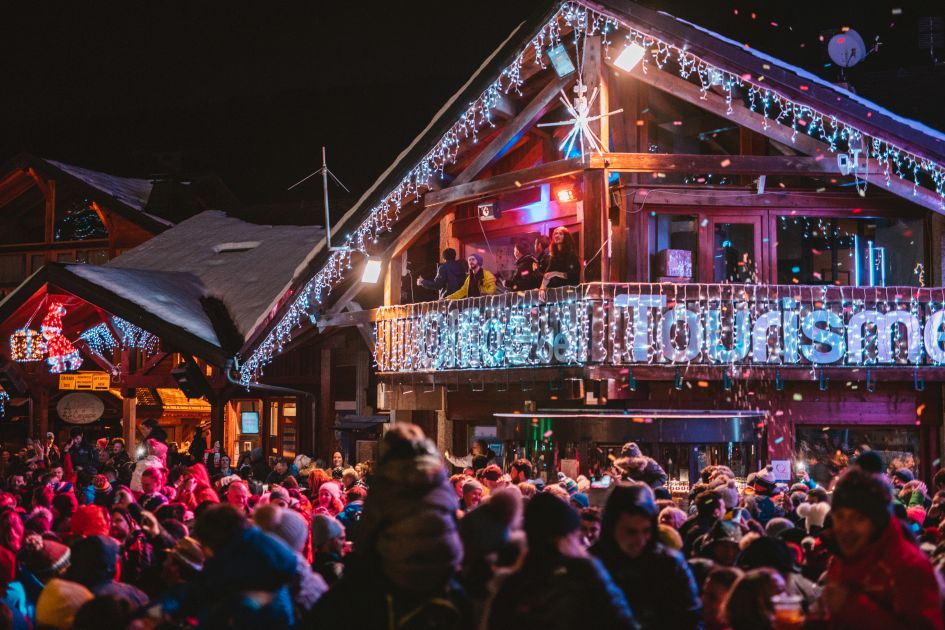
point(63, 355)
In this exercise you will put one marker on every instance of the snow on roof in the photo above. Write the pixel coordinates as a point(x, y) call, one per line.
point(250, 281)
point(813, 78)
point(131, 191)
point(174, 297)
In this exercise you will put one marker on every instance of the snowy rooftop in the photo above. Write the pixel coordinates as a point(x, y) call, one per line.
point(174, 297)
point(131, 191)
point(248, 267)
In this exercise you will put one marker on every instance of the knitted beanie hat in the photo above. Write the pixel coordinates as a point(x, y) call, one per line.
point(547, 517)
point(777, 526)
point(188, 551)
point(324, 528)
point(814, 514)
point(728, 491)
point(43, 557)
point(90, 520)
point(285, 524)
point(630, 449)
point(58, 603)
point(867, 493)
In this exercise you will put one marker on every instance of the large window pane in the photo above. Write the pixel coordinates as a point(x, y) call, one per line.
point(850, 251)
point(826, 451)
point(734, 253)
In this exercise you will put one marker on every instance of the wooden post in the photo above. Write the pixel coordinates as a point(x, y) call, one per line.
point(50, 222)
point(392, 280)
point(41, 412)
point(325, 425)
point(129, 420)
point(596, 193)
point(265, 441)
point(218, 421)
point(595, 225)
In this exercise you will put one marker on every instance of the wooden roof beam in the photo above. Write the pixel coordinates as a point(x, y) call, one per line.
point(720, 163)
point(712, 102)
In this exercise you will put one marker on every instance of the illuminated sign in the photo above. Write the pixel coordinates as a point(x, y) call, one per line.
point(668, 324)
point(88, 381)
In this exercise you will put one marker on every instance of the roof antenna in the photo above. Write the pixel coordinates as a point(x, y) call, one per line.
point(324, 172)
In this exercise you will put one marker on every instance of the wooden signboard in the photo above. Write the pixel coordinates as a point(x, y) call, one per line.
point(85, 381)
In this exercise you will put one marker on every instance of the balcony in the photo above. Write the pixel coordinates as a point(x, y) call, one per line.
point(660, 325)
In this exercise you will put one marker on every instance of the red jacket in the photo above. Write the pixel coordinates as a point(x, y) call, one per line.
point(893, 584)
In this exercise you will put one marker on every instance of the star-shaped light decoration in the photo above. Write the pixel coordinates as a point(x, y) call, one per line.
point(581, 120)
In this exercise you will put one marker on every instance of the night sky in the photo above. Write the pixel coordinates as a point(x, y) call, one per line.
point(251, 92)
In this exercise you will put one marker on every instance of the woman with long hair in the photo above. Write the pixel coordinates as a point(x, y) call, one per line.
point(564, 267)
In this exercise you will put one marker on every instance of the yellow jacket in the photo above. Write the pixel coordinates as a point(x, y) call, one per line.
point(486, 287)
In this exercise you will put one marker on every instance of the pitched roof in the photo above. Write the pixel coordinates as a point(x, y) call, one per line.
point(248, 267)
point(424, 153)
point(154, 204)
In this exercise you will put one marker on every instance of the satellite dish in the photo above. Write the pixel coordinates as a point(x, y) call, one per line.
point(847, 49)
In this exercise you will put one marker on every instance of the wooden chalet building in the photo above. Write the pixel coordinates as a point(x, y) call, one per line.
point(56, 212)
point(761, 257)
point(159, 327)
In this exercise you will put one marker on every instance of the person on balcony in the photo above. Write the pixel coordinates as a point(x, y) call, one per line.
point(449, 276)
point(541, 252)
point(478, 281)
point(564, 268)
point(527, 276)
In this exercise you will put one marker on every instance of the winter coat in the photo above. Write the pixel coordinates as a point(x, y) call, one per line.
point(567, 270)
point(552, 592)
point(329, 565)
point(659, 585)
point(526, 275)
point(892, 585)
point(643, 469)
point(364, 600)
point(351, 516)
point(221, 596)
point(486, 286)
point(307, 587)
point(449, 278)
point(692, 529)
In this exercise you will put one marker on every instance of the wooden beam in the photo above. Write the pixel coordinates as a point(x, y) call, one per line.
point(529, 115)
point(153, 362)
point(712, 102)
point(50, 222)
point(129, 421)
point(504, 182)
point(731, 164)
point(13, 186)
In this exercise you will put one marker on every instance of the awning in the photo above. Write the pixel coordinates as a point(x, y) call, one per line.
point(616, 426)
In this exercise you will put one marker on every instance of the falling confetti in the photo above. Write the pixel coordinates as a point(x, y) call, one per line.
point(920, 409)
point(779, 440)
point(798, 397)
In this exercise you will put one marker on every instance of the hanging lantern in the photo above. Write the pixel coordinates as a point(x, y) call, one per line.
point(62, 354)
point(27, 345)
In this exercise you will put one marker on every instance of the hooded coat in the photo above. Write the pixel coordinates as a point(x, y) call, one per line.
point(408, 546)
point(658, 584)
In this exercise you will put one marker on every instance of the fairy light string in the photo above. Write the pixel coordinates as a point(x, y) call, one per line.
point(841, 137)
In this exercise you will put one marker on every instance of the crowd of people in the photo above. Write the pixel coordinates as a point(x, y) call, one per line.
point(544, 264)
point(90, 538)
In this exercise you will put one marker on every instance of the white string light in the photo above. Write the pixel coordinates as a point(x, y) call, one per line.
point(840, 136)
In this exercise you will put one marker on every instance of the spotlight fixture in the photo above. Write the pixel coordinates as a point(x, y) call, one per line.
point(372, 271)
point(629, 57)
point(560, 60)
point(566, 194)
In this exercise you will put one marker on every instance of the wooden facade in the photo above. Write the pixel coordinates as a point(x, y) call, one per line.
point(685, 167)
